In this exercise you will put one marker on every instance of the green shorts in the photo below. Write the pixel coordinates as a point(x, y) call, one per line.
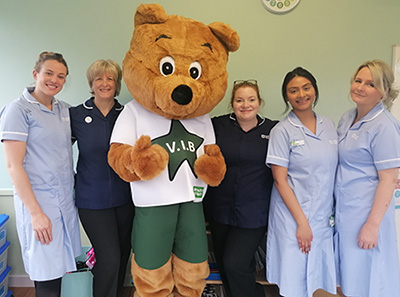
point(161, 231)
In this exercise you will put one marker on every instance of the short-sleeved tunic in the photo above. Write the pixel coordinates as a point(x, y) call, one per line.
point(48, 164)
point(311, 160)
point(371, 144)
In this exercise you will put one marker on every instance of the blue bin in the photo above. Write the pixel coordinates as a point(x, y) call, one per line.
point(78, 284)
point(4, 282)
point(3, 231)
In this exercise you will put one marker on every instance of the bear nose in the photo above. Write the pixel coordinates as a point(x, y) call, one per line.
point(182, 95)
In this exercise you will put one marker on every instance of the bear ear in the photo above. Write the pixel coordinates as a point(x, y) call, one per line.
point(150, 14)
point(228, 36)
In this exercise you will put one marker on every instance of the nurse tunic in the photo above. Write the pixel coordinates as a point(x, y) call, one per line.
point(97, 186)
point(48, 164)
point(311, 161)
point(369, 145)
point(242, 198)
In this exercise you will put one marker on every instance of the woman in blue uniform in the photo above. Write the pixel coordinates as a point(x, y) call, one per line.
point(103, 199)
point(238, 208)
point(369, 158)
point(36, 134)
point(303, 157)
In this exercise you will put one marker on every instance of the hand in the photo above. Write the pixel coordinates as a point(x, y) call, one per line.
point(41, 225)
point(368, 236)
point(304, 237)
point(148, 160)
point(210, 167)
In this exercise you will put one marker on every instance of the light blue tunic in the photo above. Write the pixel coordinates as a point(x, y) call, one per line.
point(371, 144)
point(311, 160)
point(48, 163)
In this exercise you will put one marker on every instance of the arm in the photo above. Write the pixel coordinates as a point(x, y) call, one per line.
point(368, 236)
point(304, 233)
point(15, 154)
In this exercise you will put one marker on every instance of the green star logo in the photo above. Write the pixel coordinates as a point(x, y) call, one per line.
point(181, 146)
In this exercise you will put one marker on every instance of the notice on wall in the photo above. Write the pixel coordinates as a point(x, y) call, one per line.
point(396, 70)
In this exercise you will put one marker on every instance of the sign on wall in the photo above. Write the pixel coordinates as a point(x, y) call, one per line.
point(396, 69)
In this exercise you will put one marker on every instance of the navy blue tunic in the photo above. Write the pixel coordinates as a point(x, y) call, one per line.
point(242, 198)
point(97, 186)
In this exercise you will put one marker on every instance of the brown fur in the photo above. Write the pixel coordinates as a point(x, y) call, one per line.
point(189, 278)
point(186, 44)
point(153, 283)
point(211, 167)
point(189, 45)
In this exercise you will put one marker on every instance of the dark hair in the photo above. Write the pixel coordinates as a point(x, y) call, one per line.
point(298, 71)
point(44, 56)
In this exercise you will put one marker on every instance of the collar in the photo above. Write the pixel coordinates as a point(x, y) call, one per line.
point(260, 120)
point(371, 115)
point(89, 104)
point(28, 97)
point(294, 120)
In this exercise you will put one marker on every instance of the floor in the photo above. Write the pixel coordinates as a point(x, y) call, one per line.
point(270, 291)
point(30, 292)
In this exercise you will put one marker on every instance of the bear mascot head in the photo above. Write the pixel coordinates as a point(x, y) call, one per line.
point(163, 143)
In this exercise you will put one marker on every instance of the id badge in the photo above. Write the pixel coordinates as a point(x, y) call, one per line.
point(332, 221)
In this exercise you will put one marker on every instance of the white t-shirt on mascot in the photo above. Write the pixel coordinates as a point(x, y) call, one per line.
point(184, 140)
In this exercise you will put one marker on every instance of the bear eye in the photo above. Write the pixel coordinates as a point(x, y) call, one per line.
point(167, 66)
point(195, 70)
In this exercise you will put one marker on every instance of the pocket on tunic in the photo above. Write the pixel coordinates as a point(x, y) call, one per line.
point(46, 192)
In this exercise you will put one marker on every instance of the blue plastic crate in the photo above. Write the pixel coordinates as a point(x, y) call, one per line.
point(4, 282)
point(3, 256)
point(3, 231)
point(214, 273)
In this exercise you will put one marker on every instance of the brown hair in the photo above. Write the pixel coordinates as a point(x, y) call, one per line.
point(251, 83)
point(44, 56)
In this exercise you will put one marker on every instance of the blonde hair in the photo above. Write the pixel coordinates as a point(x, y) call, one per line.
point(100, 67)
point(383, 77)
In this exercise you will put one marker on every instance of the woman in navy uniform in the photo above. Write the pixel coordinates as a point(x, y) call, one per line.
point(103, 199)
point(238, 208)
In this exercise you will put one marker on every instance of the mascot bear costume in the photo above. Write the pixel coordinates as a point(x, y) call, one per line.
point(163, 143)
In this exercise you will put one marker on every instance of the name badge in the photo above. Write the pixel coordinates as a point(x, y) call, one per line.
point(332, 221)
point(297, 143)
